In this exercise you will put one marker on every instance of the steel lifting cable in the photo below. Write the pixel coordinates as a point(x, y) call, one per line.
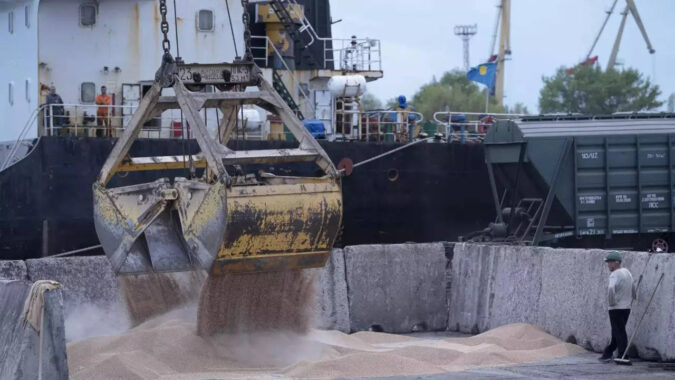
point(166, 46)
point(191, 164)
point(68, 253)
point(220, 138)
point(183, 130)
point(243, 127)
point(175, 27)
point(408, 145)
point(229, 17)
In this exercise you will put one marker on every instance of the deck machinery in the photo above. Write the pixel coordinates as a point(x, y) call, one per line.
point(216, 219)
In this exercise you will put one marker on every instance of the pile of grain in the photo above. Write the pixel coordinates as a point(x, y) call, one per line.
point(167, 347)
point(258, 326)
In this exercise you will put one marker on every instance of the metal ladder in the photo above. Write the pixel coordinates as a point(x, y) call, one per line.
point(294, 31)
point(280, 87)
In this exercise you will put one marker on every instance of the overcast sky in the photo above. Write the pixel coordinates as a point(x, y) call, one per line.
point(418, 41)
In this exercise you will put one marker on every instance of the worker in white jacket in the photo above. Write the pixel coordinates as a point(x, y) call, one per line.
point(620, 295)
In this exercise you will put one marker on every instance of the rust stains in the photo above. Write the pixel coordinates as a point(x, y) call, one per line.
point(133, 42)
point(157, 18)
point(282, 220)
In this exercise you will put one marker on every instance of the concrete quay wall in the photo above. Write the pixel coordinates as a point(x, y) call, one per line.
point(86, 280)
point(332, 304)
point(13, 270)
point(396, 288)
point(562, 290)
point(470, 288)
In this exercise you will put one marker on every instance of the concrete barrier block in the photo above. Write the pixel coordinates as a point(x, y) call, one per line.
point(576, 280)
point(12, 297)
point(399, 288)
point(23, 349)
point(516, 290)
point(54, 355)
point(655, 338)
point(562, 290)
point(332, 303)
point(493, 286)
point(469, 289)
point(13, 270)
point(573, 302)
point(85, 280)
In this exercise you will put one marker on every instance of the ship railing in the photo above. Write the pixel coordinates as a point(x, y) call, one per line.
point(468, 126)
point(347, 54)
point(379, 125)
point(85, 120)
point(9, 159)
point(280, 63)
point(352, 54)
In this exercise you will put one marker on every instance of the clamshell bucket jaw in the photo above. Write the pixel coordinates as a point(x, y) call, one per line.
point(216, 222)
point(157, 227)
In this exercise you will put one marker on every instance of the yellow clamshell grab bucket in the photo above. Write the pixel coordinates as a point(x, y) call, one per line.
point(217, 222)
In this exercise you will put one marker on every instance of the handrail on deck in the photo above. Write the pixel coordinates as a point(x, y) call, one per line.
point(357, 54)
point(470, 129)
point(167, 126)
point(350, 54)
point(379, 125)
point(15, 147)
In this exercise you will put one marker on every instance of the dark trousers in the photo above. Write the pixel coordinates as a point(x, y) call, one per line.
point(618, 319)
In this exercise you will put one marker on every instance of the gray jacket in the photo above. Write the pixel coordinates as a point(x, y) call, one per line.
point(621, 289)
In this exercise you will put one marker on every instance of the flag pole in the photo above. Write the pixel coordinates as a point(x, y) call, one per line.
point(487, 98)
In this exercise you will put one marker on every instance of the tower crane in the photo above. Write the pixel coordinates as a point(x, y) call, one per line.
point(629, 9)
point(503, 28)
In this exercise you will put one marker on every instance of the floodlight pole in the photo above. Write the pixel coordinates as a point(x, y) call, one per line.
point(465, 32)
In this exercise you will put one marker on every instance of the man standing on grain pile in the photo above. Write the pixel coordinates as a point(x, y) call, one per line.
point(620, 294)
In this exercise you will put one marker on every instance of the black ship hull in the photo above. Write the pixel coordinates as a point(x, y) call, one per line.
point(427, 192)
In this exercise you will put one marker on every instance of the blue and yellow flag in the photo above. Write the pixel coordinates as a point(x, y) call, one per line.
point(483, 73)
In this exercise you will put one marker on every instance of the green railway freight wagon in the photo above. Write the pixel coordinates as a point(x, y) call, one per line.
point(581, 181)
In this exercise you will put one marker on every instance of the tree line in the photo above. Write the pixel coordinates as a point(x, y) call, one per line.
point(584, 90)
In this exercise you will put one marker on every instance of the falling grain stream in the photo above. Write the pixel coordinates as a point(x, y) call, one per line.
point(234, 303)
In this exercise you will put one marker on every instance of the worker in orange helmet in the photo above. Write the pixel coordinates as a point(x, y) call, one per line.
point(103, 113)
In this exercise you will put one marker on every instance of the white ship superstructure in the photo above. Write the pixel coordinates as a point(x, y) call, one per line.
point(77, 46)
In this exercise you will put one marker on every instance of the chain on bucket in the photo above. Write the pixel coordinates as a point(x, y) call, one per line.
point(248, 56)
point(164, 26)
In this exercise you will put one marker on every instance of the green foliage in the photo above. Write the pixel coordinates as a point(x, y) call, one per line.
point(391, 103)
point(589, 90)
point(370, 102)
point(453, 92)
point(518, 108)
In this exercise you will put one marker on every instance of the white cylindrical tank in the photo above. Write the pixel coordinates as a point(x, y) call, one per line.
point(253, 119)
point(347, 85)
